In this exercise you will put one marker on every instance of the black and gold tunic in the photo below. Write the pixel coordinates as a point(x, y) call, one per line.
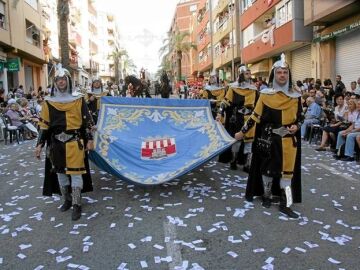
point(67, 127)
point(94, 105)
point(238, 104)
point(273, 111)
point(216, 94)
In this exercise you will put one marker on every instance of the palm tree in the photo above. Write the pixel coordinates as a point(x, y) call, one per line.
point(63, 12)
point(178, 43)
point(116, 57)
point(128, 66)
point(166, 65)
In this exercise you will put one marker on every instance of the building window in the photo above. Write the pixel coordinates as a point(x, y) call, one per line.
point(2, 15)
point(245, 4)
point(32, 34)
point(284, 12)
point(193, 8)
point(33, 3)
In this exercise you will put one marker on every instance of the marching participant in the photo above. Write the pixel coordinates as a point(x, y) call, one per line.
point(237, 107)
point(214, 93)
point(65, 127)
point(94, 96)
point(276, 163)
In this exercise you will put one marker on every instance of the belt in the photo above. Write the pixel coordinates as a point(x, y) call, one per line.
point(63, 137)
point(281, 131)
point(245, 111)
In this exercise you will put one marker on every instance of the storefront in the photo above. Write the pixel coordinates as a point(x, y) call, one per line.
point(339, 50)
point(301, 63)
point(347, 62)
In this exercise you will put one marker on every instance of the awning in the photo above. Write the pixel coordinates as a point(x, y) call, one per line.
point(260, 67)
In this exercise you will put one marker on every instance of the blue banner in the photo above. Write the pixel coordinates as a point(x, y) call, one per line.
point(152, 141)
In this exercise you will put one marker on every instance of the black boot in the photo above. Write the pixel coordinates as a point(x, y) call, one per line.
point(283, 207)
point(266, 202)
point(76, 195)
point(65, 192)
point(266, 198)
point(76, 212)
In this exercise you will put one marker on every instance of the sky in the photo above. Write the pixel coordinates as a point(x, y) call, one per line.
point(143, 25)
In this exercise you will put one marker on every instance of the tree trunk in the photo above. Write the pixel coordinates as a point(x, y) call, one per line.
point(116, 66)
point(178, 61)
point(63, 14)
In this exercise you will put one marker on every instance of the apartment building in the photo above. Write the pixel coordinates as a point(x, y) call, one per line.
point(204, 38)
point(21, 47)
point(225, 18)
point(182, 22)
point(336, 38)
point(269, 28)
point(109, 38)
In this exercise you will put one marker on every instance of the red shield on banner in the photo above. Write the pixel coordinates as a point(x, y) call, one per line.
point(158, 148)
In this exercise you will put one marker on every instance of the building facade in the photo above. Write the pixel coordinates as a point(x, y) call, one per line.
point(225, 18)
point(336, 40)
point(270, 28)
point(182, 22)
point(109, 38)
point(22, 58)
point(204, 39)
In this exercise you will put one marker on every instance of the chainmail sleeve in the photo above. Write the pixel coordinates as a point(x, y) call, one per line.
point(88, 122)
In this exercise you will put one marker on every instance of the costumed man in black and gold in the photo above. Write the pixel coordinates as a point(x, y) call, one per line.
point(65, 127)
point(237, 107)
point(276, 162)
point(214, 93)
point(94, 97)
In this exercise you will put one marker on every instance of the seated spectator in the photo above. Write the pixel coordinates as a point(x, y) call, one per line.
point(352, 87)
point(18, 120)
point(329, 91)
point(38, 106)
point(312, 115)
point(348, 138)
point(347, 97)
point(319, 96)
point(331, 131)
point(312, 93)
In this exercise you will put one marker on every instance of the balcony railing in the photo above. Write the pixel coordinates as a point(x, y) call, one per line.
point(268, 43)
point(257, 9)
point(205, 64)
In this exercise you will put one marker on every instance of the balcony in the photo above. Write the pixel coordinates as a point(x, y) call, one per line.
point(327, 12)
point(92, 27)
point(224, 29)
point(75, 37)
point(93, 47)
point(257, 9)
point(205, 65)
point(226, 57)
point(263, 47)
point(203, 22)
point(217, 61)
point(203, 43)
point(222, 4)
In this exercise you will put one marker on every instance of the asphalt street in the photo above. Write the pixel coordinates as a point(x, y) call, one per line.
point(200, 221)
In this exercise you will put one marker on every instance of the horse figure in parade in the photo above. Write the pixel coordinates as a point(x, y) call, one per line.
point(137, 87)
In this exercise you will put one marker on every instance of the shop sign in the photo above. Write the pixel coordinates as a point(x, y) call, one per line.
point(12, 64)
point(338, 32)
